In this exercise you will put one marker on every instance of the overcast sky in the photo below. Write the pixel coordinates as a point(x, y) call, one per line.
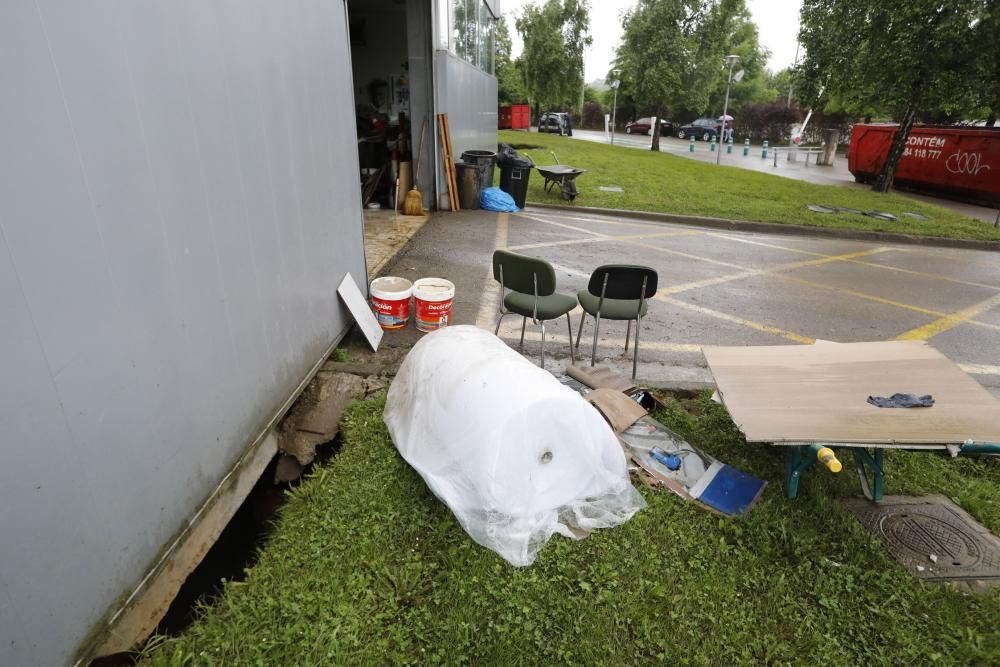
point(777, 21)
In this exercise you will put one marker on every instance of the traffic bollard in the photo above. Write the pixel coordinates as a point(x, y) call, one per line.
point(712, 148)
point(763, 153)
point(691, 145)
point(729, 146)
point(746, 147)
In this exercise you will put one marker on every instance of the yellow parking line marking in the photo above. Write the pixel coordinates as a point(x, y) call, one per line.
point(598, 239)
point(933, 276)
point(980, 369)
point(491, 292)
point(766, 328)
point(688, 255)
point(950, 321)
point(765, 245)
point(789, 266)
point(560, 224)
point(887, 267)
point(606, 222)
point(862, 295)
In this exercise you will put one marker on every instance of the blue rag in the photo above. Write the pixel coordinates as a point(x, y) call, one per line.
point(495, 199)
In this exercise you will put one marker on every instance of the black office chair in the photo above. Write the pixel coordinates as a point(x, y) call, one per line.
point(617, 292)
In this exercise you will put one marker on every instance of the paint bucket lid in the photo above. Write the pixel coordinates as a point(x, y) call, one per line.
point(391, 288)
point(434, 289)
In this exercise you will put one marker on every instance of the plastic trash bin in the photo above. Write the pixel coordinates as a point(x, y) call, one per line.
point(514, 173)
point(486, 161)
point(468, 185)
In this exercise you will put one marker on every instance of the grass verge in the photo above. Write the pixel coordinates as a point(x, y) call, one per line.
point(366, 566)
point(666, 183)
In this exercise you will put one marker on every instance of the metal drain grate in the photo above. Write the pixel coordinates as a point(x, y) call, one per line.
point(932, 537)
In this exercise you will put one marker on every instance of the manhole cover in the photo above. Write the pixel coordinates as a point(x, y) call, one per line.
point(845, 209)
point(818, 208)
point(932, 537)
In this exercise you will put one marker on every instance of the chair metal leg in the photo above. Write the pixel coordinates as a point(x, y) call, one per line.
point(628, 334)
point(593, 351)
point(569, 330)
point(583, 317)
point(496, 332)
point(635, 352)
point(524, 322)
point(543, 343)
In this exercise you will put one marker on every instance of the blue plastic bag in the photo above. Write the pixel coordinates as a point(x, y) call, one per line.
point(495, 199)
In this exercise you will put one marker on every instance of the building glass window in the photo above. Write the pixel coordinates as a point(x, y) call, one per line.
point(471, 32)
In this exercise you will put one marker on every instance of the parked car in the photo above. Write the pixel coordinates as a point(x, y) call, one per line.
point(645, 126)
point(552, 121)
point(703, 128)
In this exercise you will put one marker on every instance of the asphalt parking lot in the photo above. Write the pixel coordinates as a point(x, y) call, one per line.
point(720, 288)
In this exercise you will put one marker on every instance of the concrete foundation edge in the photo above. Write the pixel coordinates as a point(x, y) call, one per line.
point(778, 228)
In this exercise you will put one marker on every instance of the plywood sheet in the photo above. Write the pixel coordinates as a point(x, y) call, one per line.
point(818, 393)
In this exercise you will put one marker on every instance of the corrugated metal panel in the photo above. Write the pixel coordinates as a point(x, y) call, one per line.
point(178, 201)
point(469, 96)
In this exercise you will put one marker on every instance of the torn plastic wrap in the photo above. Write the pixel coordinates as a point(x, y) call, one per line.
point(515, 455)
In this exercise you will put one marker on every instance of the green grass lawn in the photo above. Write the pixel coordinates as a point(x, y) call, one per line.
point(667, 183)
point(366, 566)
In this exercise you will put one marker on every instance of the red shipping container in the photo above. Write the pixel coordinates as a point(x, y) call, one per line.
point(960, 161)
point(505, 116)
point(514, 117)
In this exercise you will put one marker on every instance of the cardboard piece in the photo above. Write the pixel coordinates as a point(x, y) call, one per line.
point(618, 409)
point(601, 377)
point(818, 393)
point(351, 295)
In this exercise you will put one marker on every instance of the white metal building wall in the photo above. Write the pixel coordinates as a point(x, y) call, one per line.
point(178, 202)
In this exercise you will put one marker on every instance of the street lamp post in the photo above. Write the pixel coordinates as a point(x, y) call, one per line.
point(614, 108)
point(730, 60)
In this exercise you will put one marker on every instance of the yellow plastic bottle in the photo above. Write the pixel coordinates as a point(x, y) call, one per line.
point(827, 457)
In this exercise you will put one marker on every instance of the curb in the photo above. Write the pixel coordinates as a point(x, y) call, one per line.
point(778, 228)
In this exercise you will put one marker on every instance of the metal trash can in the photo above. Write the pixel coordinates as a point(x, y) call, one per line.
point(468, 185)
point(486, 161)
point(830, 140)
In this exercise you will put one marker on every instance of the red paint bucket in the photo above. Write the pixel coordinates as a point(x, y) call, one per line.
point(433, 298)
point(391, 301)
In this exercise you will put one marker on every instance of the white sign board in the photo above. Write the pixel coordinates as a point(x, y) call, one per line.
point(356, 302)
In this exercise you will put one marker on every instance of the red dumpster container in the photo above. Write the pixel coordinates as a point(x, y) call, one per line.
point(504, 117)
point(514, 117)
point(963, 162)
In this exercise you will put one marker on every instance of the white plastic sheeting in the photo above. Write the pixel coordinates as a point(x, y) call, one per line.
point(515, 455)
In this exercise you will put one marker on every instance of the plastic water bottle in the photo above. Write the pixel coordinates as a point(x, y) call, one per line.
point(691, 145)
point(669, 461)
point(763, 153)
point(746, 147)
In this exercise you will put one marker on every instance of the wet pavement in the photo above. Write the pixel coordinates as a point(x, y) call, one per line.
point(719, 288)
point(800, 169)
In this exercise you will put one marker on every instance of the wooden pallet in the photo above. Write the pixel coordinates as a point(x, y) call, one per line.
point(444, 133)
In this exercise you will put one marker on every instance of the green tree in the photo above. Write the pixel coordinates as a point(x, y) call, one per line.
point(551, 62)
point(510, 82)
point(903, 57)
point(738, 35)
point(654, 55)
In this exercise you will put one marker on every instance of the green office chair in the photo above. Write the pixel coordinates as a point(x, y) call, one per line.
point(532, 285)
point(617, 292)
